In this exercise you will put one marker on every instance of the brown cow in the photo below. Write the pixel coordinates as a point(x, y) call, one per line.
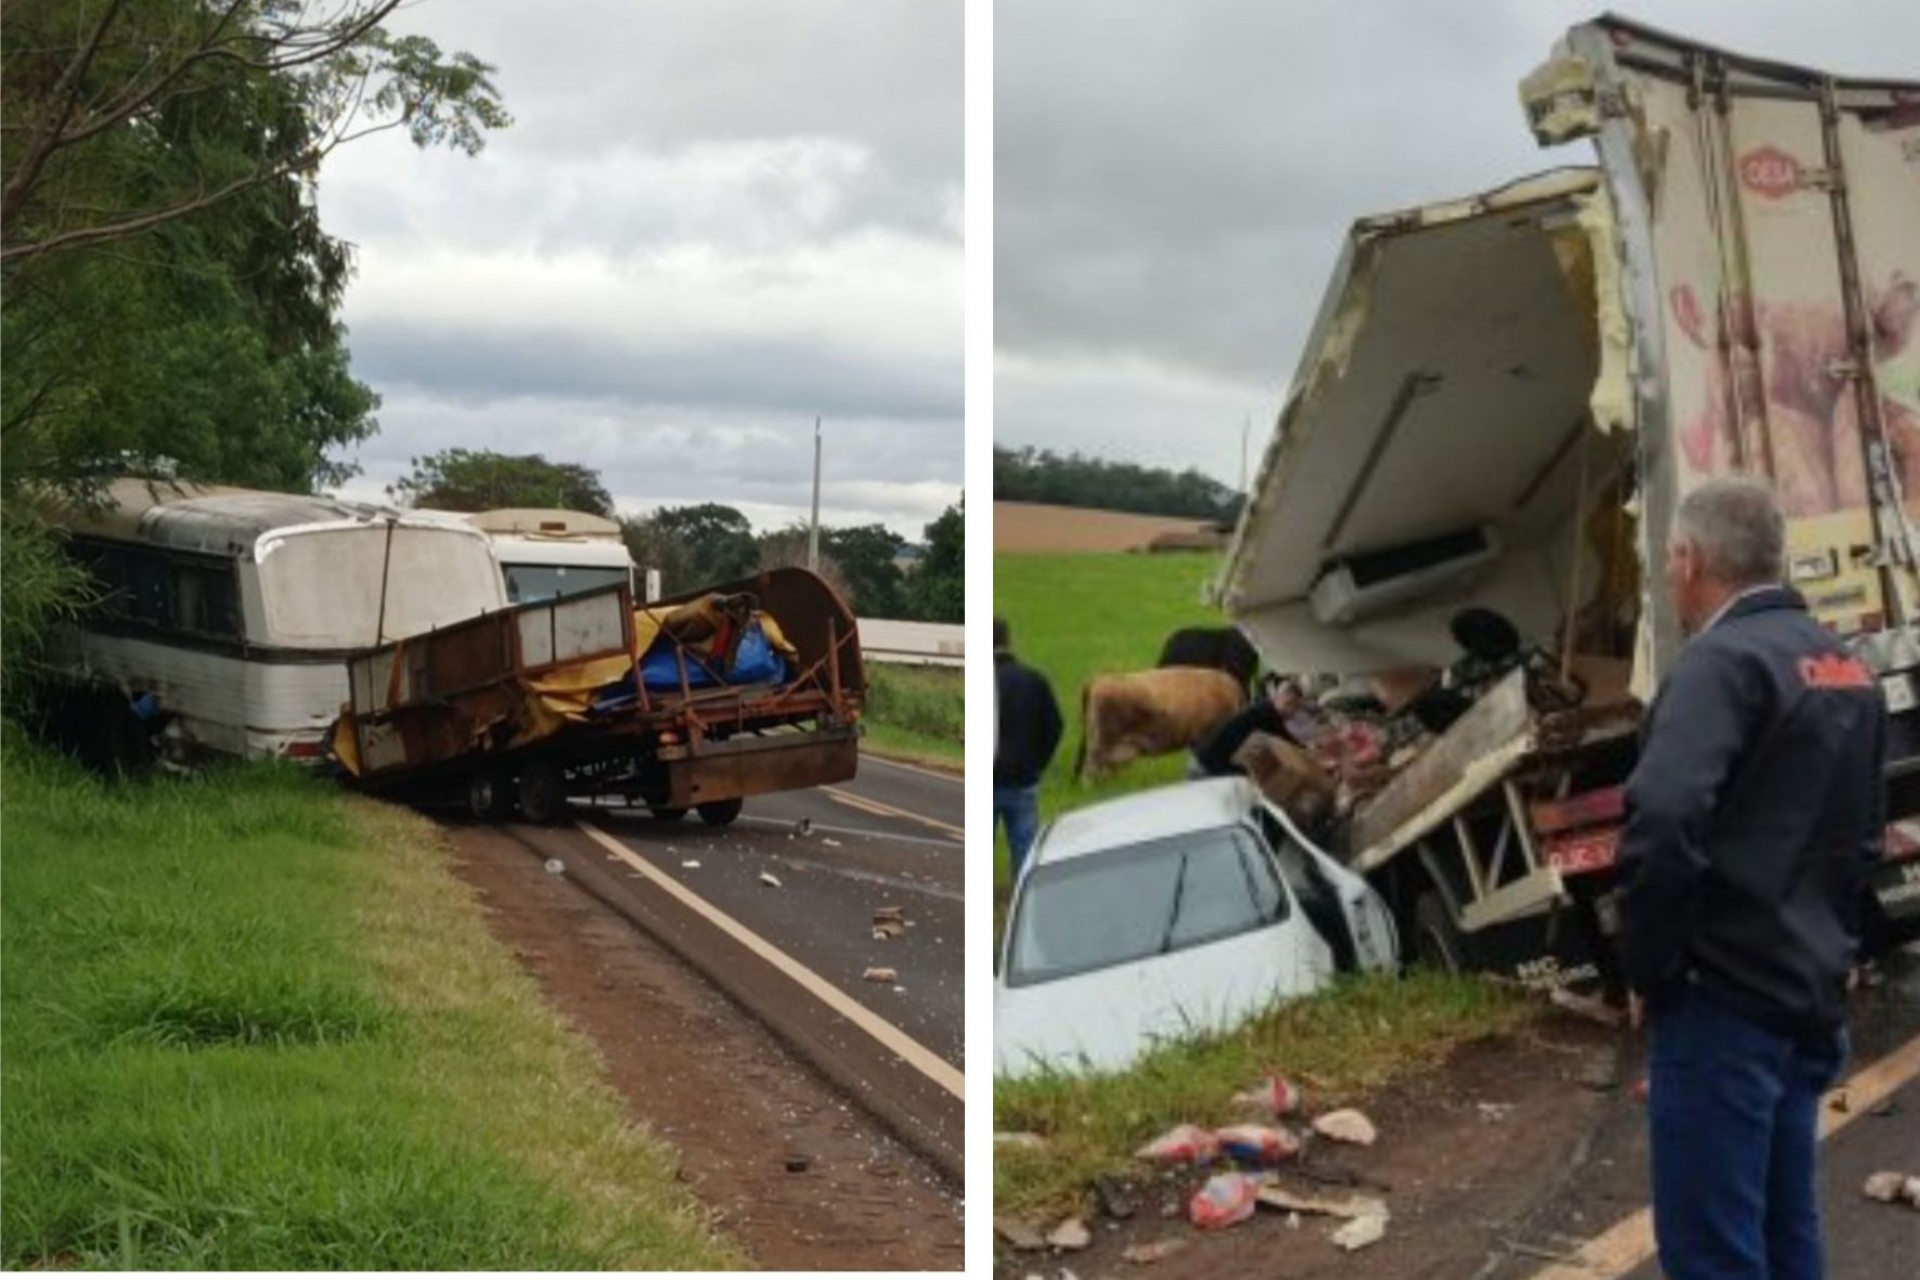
point(1148, 713)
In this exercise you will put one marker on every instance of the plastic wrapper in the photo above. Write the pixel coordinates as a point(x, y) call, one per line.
point(1276, 1095)
point(1224, 1200)
point(1182, 1144)
point(1257, 1143)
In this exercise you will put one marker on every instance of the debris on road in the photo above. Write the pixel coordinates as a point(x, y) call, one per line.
point(888, 922)
point(1182, 1144)
point(1592, 1008)
point(1021, 1235)
point(1155, 1251)
point(881, 975)
point(1361, 1231)
point(1258, 1143)
point(1351, 1207)
point(803, 827)
point(1275, 1095)
point(799, 1163)
point(691, 864)
point(770, 880)
point(1346, 1125)
point(1495, 1112)
point(1070, 1235)
point(1224, 1200)
point(1030, 1141)
point(830, 842)
point(1894, 1188)
point(555, 866)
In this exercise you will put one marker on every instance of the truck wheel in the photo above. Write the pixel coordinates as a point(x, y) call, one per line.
point(1437, 941)
point(718, 813)
point(489, 797)
point(542, 796)
point(667, 812)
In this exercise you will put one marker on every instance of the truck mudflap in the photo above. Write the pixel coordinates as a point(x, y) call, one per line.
point(752, 766)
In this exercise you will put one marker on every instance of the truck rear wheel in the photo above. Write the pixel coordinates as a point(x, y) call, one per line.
point(489, 797)
point(718, 813)
point(1438, 943)
point(542, 796)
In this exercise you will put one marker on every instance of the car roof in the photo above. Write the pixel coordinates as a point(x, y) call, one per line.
point(1153, 814)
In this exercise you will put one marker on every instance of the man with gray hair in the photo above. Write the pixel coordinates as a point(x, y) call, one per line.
point(1753, 817)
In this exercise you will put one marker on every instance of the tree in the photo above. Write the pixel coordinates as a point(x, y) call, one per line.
point(1072, 480)
point(939, 587)
point(480, 480)
point(865, 555)
point(717, 540)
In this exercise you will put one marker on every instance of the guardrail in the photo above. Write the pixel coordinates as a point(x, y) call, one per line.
point(924, 644)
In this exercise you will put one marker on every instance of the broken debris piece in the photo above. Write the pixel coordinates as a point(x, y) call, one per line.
point(881, 975)
point(1224, 1200)
point(1071, 1235)
point(770, 880)
point(1894, 1188)
point(1361, 1232)
point(691, 864)
point(555, 866)
point(1351, 1207)
point(1346, 1125)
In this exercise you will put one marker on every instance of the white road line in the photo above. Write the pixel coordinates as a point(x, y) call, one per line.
point(1629, 1242)
point(909, 1050)
point(936, 774)
point(884, 810)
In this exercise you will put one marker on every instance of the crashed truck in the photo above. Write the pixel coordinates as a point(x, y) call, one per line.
point(1502, 401)
point(695, 702)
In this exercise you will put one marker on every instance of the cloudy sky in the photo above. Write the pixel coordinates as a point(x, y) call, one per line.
point(711, 221)
point(1172, 181)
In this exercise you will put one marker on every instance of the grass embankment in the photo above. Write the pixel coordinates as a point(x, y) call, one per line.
point(253, 1023)
point(1341, 1043)
point(1074, 616)
point(917, 712)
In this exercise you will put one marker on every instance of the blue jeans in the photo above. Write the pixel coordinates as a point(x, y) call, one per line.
point(1734, 1113)
point(1018, 808)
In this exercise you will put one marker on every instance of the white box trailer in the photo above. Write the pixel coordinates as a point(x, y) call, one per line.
point(1502, 401)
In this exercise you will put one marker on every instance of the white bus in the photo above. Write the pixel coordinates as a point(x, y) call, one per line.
point(546, 552)
point(227, 615)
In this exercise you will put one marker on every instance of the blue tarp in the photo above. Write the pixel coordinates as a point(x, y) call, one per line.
point(754, 662)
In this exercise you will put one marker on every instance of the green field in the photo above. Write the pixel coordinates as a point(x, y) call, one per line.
point(1074, 616)
point(253, 1023)
point(916, 711)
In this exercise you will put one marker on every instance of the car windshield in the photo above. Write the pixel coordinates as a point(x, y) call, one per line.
point(545, 581)
point(1140, 900)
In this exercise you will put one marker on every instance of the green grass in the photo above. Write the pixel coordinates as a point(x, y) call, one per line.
point(253, 1023)
point(916, 711)
point(1352, 1038)
point(1074, 616)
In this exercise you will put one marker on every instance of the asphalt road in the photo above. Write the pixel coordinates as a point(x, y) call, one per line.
point(781, 918)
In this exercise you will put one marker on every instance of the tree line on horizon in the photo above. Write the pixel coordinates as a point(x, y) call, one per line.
point(1075, 480)
point(709, 542)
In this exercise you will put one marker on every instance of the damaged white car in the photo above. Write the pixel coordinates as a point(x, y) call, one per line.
point(1175, 911)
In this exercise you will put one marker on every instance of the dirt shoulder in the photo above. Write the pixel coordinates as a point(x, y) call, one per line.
point(703, 1076)
point(1465, 1151)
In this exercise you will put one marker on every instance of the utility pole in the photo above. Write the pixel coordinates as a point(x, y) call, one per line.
point(813, 530)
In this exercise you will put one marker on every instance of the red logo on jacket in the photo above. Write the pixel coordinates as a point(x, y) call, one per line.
point(1835, 671)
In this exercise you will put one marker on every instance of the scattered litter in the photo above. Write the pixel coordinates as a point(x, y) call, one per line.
point(1113, 1198)
point(1592, 1008)
point(770, 879)
point(1361, 1232)
point(1224, 1200)
point(1892, 1188)
point(555, 866)
point(804, 826)
point(1257, 1143)
point(691, 864)
point(1351, 1207)
point(1031, 1141)
point(1182, 1144)
point(888, 922)
point(798, 1164)
point(1275, 1095)
point(898, 989)
point(1157, 1251)
point(1071, 1235)
point(881, 975)
point(830, 842)
point(1346, 1126)
point(1019, 1234)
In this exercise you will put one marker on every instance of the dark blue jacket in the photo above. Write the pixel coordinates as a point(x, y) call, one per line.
point(1027, 720)
point(1753, 816)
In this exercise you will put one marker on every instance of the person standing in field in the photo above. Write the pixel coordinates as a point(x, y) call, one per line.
point(1026, 732)
point(1753, 816)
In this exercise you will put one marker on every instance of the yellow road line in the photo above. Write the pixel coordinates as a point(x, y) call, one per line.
point(888, 811)
point(1629, 1243)
point(912, 1052)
